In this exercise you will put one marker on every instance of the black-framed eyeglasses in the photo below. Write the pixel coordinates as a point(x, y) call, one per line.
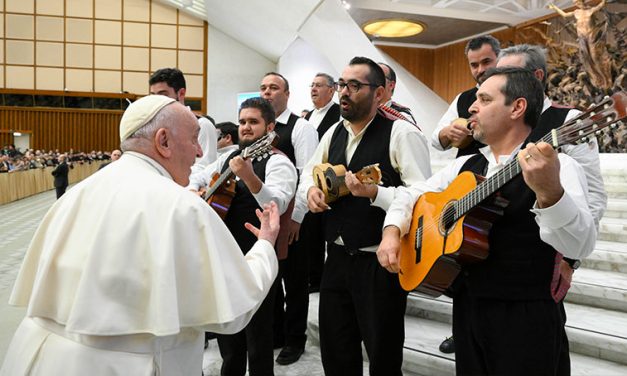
point(317, 85)
point(353, 85)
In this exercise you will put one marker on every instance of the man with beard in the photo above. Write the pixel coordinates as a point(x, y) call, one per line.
point(359, 300)
point(298, 140)
point(259, 182)
point(505, 320)
point(481, 53)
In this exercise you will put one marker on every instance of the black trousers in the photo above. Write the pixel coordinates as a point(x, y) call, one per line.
point(291, 307)
point(317, 248)
point(360, 301)
point(509, 337)
point(255, 341)
point(60, 191)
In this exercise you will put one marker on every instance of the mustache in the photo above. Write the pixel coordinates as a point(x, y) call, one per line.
point(346, 99)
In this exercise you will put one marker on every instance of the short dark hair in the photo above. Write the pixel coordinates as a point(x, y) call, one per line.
point(392, 76)
point(476, 43)
point(328, 77)
point(267, 112)
point(171, 76)
point(521, 83)
point(287, 84)
point(534, 56)
point(229, 128)
point(376, 75)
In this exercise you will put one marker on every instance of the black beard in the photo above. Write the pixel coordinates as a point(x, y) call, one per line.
point(357, 111)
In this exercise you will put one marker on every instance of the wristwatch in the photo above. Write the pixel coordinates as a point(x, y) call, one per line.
point(574, 264)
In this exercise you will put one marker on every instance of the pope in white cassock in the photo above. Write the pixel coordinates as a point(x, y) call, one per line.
point(129, 269)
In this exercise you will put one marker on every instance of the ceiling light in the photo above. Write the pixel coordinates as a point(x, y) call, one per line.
point(393, 28)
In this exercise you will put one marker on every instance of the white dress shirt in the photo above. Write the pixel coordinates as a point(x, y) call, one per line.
point(317, 114)
point(409, 156)
point(279, 184)
point(567, 226)
point(304, 142)
point(208, 140)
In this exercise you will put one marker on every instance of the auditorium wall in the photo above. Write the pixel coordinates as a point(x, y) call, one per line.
point(71, 53)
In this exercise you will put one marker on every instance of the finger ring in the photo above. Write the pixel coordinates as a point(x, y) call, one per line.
point(528, 156)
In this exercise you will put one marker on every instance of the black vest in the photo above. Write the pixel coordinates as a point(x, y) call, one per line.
point(465, 100)
point(243, 206)
point(331, 117)
point(551, 118)
point(520, 264)
point(353, 218)
point(285, 137)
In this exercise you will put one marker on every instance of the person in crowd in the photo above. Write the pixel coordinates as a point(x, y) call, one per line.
point(134, 295)
point(298, 140)
point(325, 114)
point(259, 181)
point(60, 174)
point(115, 155)
point(227, 138)
point(547, 211)
point(481, 52)
point(390, 85)
point(359, 300)
point(171, 83)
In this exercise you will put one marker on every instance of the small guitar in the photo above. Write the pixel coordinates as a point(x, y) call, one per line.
point(451, 228)
point(330, 179)
point(222, 187)
point(461, 144)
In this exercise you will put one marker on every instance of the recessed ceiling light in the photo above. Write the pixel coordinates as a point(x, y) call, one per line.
point(393, 28)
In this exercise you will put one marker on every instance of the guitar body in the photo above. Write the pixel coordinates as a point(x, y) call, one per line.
point(330, 179)
point(221, 200)
point(431, 255)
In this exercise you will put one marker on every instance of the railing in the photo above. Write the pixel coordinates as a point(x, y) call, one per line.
point(21, 184)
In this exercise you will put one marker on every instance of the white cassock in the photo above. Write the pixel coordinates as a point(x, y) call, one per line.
point(125, 274)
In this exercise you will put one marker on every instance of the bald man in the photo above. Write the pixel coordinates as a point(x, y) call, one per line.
point(135, 294)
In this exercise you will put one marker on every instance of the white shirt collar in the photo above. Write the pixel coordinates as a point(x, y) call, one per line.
point(325, 107)
point(284, 117)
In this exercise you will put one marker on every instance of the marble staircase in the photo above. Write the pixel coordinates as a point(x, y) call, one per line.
point(596, 304)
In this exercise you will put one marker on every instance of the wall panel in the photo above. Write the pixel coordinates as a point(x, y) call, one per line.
point(64, 129)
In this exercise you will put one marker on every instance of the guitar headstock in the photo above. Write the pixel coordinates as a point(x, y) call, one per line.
point(608, 113)
point(370, 174)
point(261, 147)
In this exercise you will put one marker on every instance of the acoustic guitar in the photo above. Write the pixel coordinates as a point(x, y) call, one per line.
point(461, 144)
point(330, 179)
point(222, 187)
point(451, 228)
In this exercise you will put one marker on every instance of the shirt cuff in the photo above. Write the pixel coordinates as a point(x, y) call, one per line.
point(557, 215)
point(385, 196)
point(398, 220)
point(264, 196)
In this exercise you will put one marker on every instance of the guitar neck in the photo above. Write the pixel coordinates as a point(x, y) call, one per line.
point(608, 112)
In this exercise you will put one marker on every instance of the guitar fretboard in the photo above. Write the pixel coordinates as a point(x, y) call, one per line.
point(587, 123)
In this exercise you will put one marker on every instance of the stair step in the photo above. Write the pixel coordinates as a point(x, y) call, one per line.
point(608, 256)
point(613, 229)
point(597, 332)
point(599, 288)
point(423, 338)
point(616, 189)
point(616, 208)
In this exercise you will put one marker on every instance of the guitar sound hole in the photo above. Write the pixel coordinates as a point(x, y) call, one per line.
point(447, 221)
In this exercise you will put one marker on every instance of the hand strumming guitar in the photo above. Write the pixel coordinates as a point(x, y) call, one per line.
point(243, 169)
point(316, 200)
point(359, 189)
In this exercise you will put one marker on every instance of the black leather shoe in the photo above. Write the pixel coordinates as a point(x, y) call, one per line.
point(289, 355)
point(448, 346)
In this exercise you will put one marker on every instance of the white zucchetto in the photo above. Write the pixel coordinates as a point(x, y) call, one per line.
point(140, 112)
